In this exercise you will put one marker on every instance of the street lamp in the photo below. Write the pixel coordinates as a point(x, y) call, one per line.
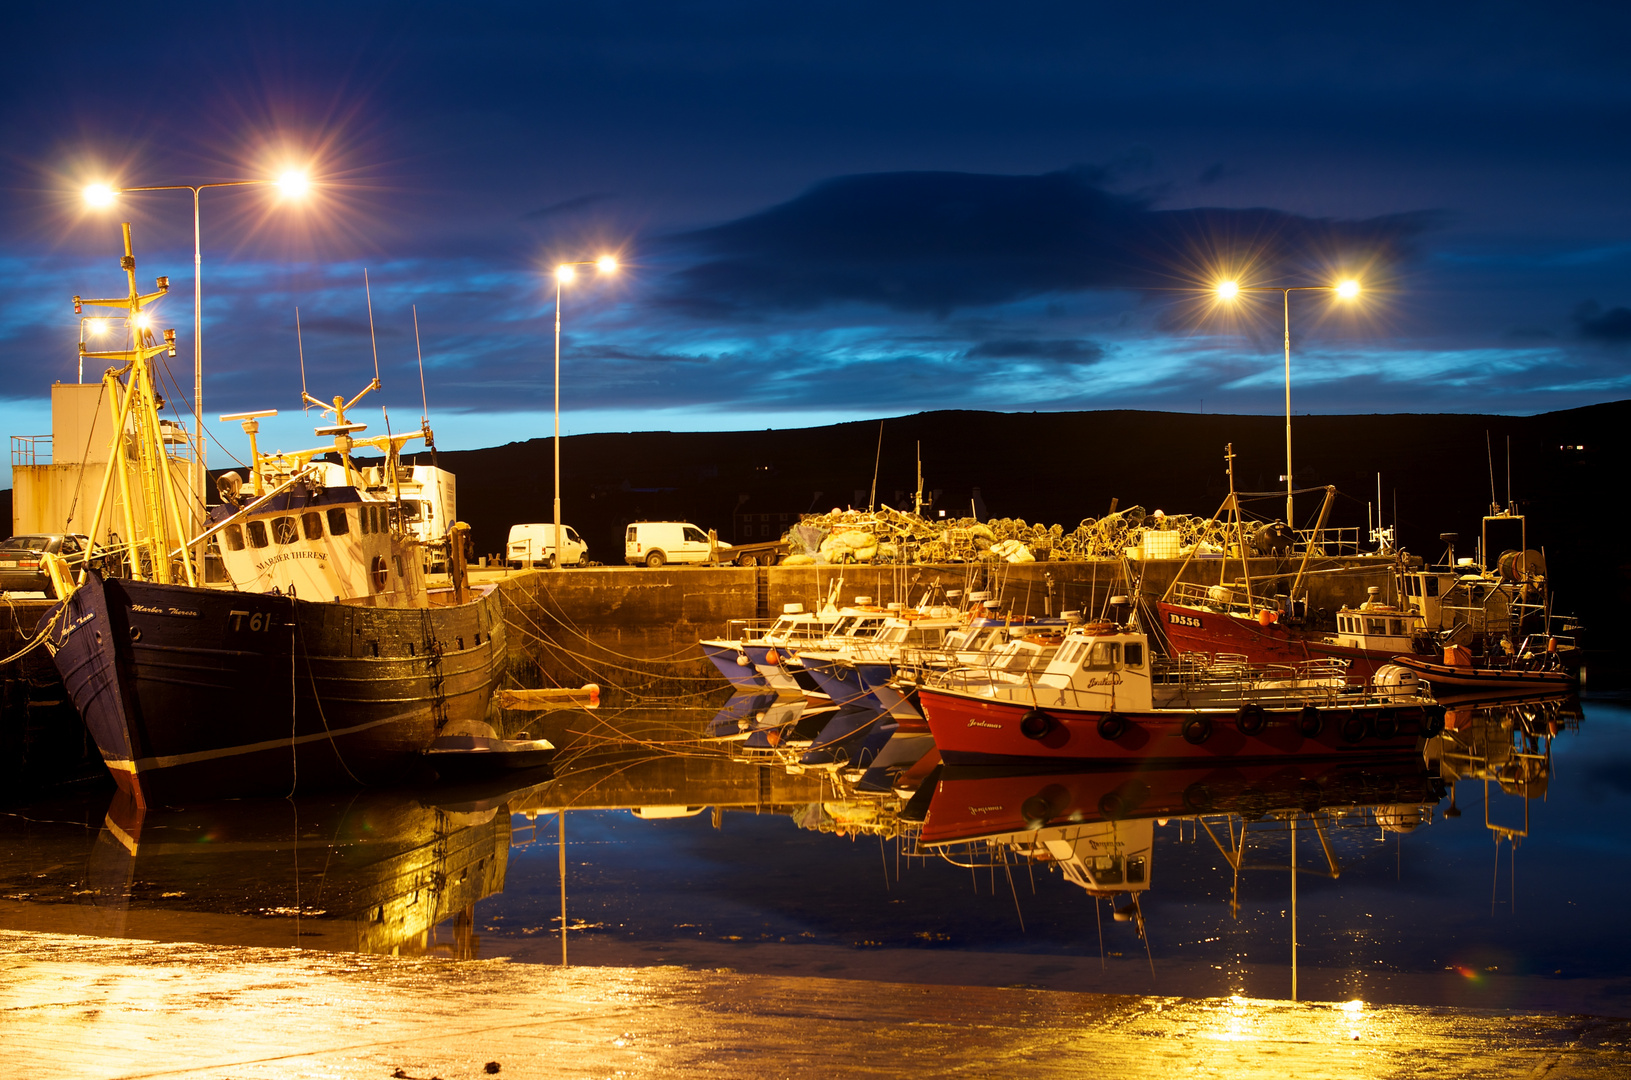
point(565, 273)
point(1231, 290)
point(293, 183)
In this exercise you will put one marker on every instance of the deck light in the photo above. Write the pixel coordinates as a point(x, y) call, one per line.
point(99, 195)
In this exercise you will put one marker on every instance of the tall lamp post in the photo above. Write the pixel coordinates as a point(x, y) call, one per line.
point(294, 184)
point(564, 273)
point(1231, 290)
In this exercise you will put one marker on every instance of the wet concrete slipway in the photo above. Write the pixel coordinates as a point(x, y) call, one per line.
point(726, 917)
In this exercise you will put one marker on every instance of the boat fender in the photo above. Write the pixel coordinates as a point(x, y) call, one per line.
point(1251, 719)
point(1265, 618)
point(772, 657)
point(1432, 721)
point(1310, 722)
point(1355, 727)
point(1112, 726)
point(1044, 806)
point(1197, 729)
point(742, 660)
point(1036, 724)
point(1386, 725)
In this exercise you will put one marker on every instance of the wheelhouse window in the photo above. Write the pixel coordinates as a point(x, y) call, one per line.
point(1375, 626)
point(1102, 656)
point(1134, 654)
point(284, 530)
point(1432, 585)
point(311, 523)
point(338, 522)
point(235, 537)
point(256, 531)
point(365, 517)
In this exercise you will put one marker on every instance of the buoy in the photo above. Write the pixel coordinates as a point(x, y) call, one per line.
point(771, 657)
point(742, 660)
point(1265, 617)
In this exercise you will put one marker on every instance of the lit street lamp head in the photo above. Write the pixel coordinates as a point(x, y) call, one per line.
point(99, 195)
point(1348, 289)
point(606, 264)
point(565, 274)
point(293, 183)
point(1228, 290)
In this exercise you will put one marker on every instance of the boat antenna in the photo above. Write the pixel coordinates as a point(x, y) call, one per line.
point(300, 344)
point(368, 292)
point(917, 500)
point(1508, 473)
point(872, 501)
point(393, 462)
point(424, 405)
point(1489, 452)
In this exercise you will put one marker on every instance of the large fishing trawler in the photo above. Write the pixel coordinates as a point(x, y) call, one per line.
point(321, 659)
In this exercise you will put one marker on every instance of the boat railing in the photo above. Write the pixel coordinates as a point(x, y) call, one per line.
point(29, 450)
point(740, 629)
point(1228, 599)
point(1344, 540)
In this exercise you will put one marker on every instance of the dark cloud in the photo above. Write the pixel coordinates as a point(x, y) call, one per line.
point(1063, 351)
point(935, 241)
point(567, 206)
point(1612, 327)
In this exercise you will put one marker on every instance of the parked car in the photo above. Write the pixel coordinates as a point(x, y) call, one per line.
point(653, 543)
point(534, 545)
point(20, 559)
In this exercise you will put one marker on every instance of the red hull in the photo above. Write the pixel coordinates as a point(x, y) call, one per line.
point(972, 803)
point(1200, 630)
point(976, 730)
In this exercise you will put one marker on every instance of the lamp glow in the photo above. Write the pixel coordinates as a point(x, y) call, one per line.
point(1228, 290)
point(565, 273)
point(293, 183)
point(99, 195)
point(606, 264)
point(143, 322)
point(95, 327)
point(1348, 289)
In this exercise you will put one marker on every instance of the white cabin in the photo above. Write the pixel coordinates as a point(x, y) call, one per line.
point(324, 540)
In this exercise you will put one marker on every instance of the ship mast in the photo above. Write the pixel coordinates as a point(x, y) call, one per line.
point(140, 469)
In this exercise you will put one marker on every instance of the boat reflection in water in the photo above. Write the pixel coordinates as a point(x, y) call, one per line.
point(373, 872)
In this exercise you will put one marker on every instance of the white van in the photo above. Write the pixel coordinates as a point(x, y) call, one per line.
point(654, 543)
point(534, 545)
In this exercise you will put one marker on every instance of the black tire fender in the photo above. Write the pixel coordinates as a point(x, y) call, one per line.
point(1036, 724)
point(1355, 726)
point(1197, 729)
point(1251, 719)
point(1112, 726)
point(1310, 722)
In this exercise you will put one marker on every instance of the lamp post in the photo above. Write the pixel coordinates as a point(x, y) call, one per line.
point(1230, 290)
point(564, 273)
point(293, 184)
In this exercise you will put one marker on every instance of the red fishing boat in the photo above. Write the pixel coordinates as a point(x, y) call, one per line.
point(1097, 695)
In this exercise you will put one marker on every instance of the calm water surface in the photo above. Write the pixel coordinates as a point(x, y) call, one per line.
point(677, 853)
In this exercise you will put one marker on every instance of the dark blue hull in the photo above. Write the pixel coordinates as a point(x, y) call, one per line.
point(206, 693)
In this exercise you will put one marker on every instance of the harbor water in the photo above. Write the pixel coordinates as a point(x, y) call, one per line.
point(674, 850)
